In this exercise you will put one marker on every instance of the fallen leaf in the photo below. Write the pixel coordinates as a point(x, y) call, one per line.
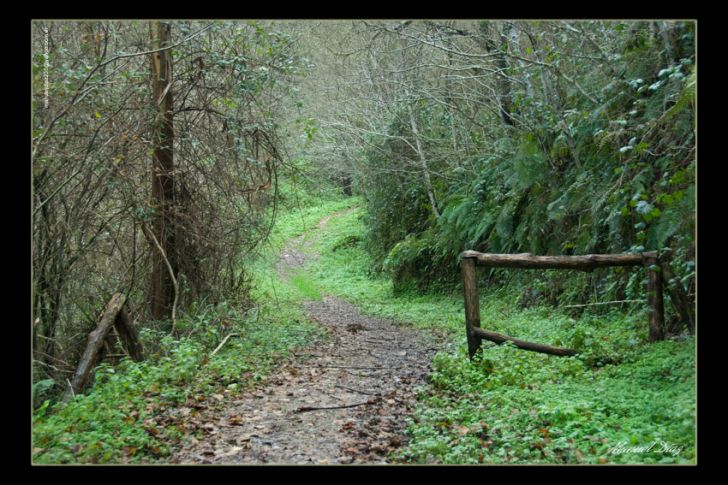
point(129, 451)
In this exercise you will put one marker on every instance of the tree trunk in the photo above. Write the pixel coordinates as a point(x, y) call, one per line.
point(666, 29)
point(129, 336)
point(162, 173)
point(502, 82)
point(423, 163)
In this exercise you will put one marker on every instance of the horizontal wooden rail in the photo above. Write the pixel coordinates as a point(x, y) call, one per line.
point(499, 338)
point(586, 262)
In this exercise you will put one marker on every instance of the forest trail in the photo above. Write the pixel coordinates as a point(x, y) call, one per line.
point(342, 401)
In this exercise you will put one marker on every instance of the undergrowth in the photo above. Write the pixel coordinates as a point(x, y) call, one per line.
point(130, 415)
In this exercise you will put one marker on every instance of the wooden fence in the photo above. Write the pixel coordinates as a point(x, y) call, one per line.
point(469, 260)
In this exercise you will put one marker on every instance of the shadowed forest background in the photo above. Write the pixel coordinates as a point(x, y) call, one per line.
point(173, 162)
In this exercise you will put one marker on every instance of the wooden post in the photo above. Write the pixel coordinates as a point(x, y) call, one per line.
point(655, 301)
point(472, 304)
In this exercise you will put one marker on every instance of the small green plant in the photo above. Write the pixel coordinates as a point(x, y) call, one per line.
point(306, 286)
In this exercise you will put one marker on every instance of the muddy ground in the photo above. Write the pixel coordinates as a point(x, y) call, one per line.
point(344, 400)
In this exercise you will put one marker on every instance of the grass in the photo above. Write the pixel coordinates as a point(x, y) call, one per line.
point(306, 286)
point(290, 223)
point(513, 406)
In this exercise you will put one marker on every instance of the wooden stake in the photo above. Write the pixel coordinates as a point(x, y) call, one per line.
point(472, 304)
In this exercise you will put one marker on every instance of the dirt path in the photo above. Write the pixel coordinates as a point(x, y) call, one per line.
point(343, 401)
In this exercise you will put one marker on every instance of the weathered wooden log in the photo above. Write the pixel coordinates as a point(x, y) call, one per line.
point(678, 297)
point(94, 345)
point(129, 335)
point(107, 348)
point(472, 304)
point(586, 262)
point(499, 338)
point(656, 318)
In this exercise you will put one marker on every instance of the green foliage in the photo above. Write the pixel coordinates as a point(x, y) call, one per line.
point(40, 389)
point(416, 263)
point(306, 286)
point(615, 173)
point(397, 204)
point(512, 406)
